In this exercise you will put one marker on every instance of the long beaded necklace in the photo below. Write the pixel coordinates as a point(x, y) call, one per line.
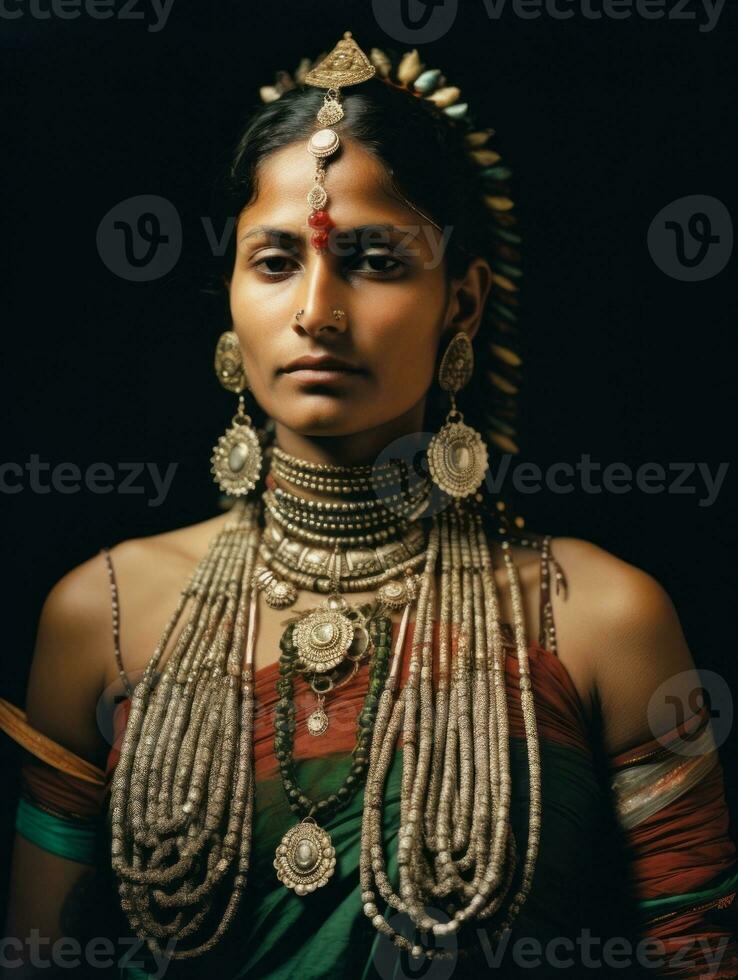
point(182, 797)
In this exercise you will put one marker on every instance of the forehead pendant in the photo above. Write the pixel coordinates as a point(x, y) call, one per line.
point(345, 65)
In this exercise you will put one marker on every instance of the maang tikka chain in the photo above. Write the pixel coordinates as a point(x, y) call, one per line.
point(345, 65)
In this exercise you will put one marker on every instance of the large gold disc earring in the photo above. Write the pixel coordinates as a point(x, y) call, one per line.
point(237, 458)
point(457, 454)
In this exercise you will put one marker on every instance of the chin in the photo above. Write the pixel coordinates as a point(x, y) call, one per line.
point(329, 419)
point(328, 424)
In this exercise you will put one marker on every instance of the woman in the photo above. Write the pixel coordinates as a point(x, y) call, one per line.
point(371, 728)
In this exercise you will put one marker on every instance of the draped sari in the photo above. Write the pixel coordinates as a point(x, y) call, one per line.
point(635, 867)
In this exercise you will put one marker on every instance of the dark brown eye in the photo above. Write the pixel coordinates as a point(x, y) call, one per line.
point(380, 262)
point(273, 265)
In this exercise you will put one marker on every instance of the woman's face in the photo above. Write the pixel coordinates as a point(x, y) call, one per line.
point(391, 284)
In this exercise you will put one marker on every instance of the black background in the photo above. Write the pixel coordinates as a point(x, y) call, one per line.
point(603, 122)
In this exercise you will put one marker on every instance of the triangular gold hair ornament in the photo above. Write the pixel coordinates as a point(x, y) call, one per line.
point(345, 65)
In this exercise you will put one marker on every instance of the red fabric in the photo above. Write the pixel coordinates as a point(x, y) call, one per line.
point(683, 848)
point(559, 711)
point(58, 792)
point(679, 849)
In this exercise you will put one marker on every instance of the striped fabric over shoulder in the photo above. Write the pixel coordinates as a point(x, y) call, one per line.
point(62, 795)
point(670, 801)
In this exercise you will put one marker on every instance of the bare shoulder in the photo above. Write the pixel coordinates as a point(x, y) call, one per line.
point(151, 562)
point(150, 574)
point(623, 621)
point(627, 597)
point(74, 656)
point(66, 674)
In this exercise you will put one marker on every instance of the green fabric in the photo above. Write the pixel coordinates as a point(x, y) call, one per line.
point(72, 839)
point(671, 902)
point(279, 935)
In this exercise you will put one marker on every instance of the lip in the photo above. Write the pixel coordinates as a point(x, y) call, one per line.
point(322, 364)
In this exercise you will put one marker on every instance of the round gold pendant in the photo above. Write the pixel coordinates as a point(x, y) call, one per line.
point(305, 857)
point(323, 639)
point(457, 459)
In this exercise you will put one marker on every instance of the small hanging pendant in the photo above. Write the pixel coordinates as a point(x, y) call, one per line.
point(317, 197)
point(278, 592)
point(305, 858)
point(317, 721)
point(331, 111)
point(396, 594)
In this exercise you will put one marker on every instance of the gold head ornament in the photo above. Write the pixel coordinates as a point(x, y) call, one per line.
point(346, 64)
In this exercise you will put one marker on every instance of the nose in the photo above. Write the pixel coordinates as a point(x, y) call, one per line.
point(321, 312)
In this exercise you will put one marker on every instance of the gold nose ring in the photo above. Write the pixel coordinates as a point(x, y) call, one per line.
point(339, 314)
point(299, 314)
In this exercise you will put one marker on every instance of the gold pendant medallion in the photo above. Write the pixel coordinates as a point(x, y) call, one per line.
point(305, 857)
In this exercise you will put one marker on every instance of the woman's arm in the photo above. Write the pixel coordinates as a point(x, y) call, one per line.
point(49, 882)
point(666, 775)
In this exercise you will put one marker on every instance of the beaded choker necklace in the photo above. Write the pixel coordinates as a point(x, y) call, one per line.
point(363, 534)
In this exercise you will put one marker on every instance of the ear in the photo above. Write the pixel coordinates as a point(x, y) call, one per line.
point(468, 297)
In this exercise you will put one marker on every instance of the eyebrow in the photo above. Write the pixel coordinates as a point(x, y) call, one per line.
point(281, 234)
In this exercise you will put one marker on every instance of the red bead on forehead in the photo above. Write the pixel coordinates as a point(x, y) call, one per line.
point(345, 65)
point(322, 223)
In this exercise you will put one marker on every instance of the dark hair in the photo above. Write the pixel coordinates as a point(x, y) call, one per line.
point(427, 158)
